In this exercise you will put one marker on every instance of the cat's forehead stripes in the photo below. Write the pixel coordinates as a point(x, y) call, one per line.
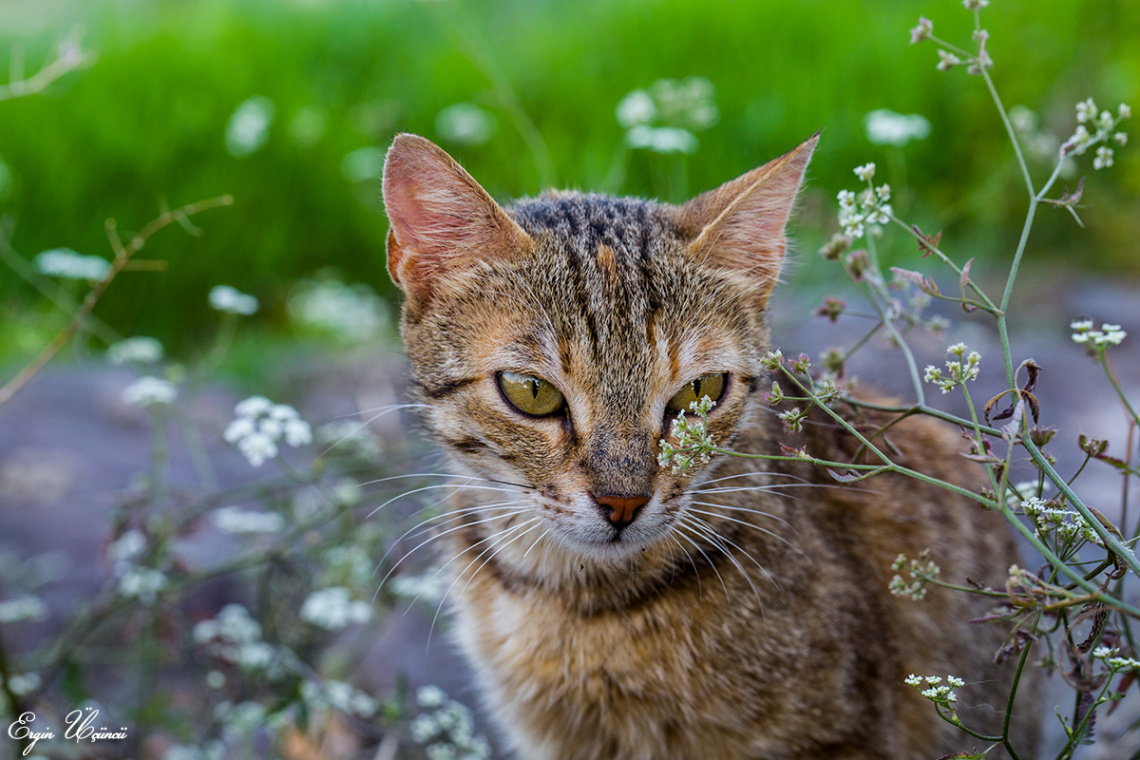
point(627, 227)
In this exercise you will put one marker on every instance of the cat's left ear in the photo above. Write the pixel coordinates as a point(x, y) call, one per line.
point(740, 225)
point(442, 220)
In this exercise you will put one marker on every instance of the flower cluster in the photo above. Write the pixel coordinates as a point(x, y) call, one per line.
point(135, 580)
point(663, 118)
point(260, 425)
point(1066, 524)
point(428, 587)
point(150, 391)
point(921, 571)
point(937, 692)
point(1109, 655)
point(793, 419)
point(353, 313)
point(871, 206)
point(235, 637)
point(449, 726)
point(465, 124)
point(694, 444)
point(961, 370)
point(229, 300)
point(334, 609)
point(349, 438)
point(1096, 341)
point(66, 263)
point(885, 127)
point(1097, 128)
point(248, 127)
point(20, 608)
point(338, 695)
point(236, 520)
point(137, 350)
point(948, 56)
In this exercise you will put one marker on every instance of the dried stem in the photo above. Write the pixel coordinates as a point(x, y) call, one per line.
point(123, 256)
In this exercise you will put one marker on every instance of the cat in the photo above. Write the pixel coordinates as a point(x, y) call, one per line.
point(611, 608)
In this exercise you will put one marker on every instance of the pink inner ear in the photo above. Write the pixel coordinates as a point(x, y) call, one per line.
point(749, 214)
point(441, 218)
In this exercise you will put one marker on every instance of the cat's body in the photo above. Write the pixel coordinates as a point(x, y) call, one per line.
point(612, 608)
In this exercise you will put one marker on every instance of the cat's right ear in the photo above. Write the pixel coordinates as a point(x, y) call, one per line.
point(442, 220)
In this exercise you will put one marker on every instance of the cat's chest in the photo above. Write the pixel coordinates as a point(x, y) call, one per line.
point(668, 674)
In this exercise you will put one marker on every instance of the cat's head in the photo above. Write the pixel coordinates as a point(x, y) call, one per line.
point(555, 340)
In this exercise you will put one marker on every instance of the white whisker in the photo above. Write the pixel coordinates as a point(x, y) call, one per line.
point(681, 531)
point(765, 531)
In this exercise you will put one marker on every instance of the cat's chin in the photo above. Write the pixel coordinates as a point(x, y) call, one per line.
point(620, 547)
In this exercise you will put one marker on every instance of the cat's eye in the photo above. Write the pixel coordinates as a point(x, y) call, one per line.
point(530, 395)
point(711, 385)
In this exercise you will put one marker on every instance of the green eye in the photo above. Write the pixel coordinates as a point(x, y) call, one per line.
point(530, 395)
point(711, 385)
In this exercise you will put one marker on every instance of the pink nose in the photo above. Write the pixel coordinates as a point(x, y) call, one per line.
point(621, 510)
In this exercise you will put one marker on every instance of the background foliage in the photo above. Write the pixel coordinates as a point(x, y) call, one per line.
point(147, 122)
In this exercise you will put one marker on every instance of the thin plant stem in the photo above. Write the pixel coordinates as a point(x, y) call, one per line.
point(123, 255)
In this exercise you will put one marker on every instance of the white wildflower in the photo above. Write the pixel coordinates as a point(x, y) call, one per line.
point(1124, 663)
point(442, 752)
point(270, 427)
point(334, 609)
point(636, 109)
point(127, 548)
point(24, 683)
point(923, 31)
point(253, 406)
point(139, 350)
point(150, 391)
point(465, 124)
point(353, 313)
point(430, 696)
point(974, 5)
point(885, 127)
point(298, 433)
point(233, 625)
point(1086, 111)
point(248, 127)
point(236, 520)
point(1103, 158)
point(947, 61)
point(142, 584)
point(260, 425)
point(238, 429)
point(662, 139)
point(349, 437)
point(865, 172)
point(428, 586)
point(424, 728)
point(257, 448)
point(961, 370)
point(66, 263)
point(1125, 111)
point(232, 301)
point(1096, 341)
point(22, 608)
point(256, 655)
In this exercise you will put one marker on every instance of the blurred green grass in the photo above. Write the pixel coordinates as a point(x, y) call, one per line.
point(146, 122)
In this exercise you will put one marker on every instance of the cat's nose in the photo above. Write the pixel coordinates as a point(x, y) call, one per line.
point(621, 510)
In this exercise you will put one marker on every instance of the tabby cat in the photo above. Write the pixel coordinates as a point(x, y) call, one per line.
point(614, 609)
